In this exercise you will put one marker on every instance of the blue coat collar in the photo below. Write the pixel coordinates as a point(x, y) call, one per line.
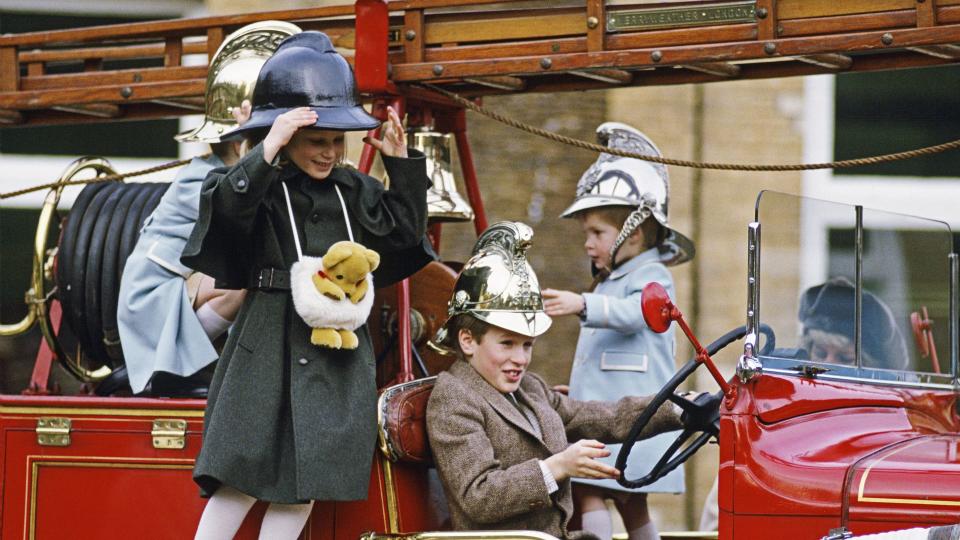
point(651, 255)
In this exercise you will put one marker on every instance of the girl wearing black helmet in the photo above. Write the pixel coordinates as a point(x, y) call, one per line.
point(288, 422)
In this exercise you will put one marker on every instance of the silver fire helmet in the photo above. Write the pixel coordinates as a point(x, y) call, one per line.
point(628, 182)
point(497, 286)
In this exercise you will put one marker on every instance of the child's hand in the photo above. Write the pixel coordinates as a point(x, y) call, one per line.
point(394, 141)
point(558, 303)
point(283, 129)
point(579, 461)
point(242, 113)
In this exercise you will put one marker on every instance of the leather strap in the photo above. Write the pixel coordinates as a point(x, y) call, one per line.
point(271, 279)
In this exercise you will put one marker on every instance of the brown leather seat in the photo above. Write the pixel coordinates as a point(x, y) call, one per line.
point(402, 421)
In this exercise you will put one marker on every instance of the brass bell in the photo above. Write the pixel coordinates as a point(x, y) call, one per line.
point(444, 203)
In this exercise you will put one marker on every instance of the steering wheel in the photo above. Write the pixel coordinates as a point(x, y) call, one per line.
point(701, 417)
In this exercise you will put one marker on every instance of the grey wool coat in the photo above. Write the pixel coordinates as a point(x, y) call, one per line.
point(487, 454)
point(287, 421)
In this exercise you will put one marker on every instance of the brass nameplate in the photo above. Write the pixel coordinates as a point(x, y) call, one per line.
point(649, 19)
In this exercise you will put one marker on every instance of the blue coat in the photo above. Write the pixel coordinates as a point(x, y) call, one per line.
point(618, 355)
point(159, 330)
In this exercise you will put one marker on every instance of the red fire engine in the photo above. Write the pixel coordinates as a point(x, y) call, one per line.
point(809, 447)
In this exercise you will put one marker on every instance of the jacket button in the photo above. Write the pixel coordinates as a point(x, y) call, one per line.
point(241, 184)
point(315, 217)
point(303, 361)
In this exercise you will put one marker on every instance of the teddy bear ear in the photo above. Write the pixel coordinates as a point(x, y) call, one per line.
point(336, 254)
point(373, 258)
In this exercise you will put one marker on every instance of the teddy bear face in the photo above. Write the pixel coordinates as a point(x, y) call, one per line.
point(347, 264)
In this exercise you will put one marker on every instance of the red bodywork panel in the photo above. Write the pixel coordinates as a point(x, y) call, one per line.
point(110, 482)
point(794, 451)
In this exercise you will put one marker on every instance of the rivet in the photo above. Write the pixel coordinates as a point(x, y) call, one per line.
point(410, 35)
point(656, 56)
point(592, 22)
point(761, 13)
point(438, 69)
point(126, 92)
point(555, 47)
point(769, 47)
point(750, 313)
point(751, 280)
point(887, 38)
point(546, 63)
point(779, 29)
point(137, 77)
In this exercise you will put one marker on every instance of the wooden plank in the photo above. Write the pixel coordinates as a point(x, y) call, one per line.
point(834, 62)
point(214, 40)
point(10, 117)
point(926, 13)
point(9, 69)
point(766, 19)
point(43, 99)
point(796, 9)
point(947, 52)
point(503, 28)
point(96, 110)
point(190, 104)
point(412, 35)
point(948, 15)
point(153, 50)
point(172, 52)
point(849, 23)
point(526, 48)
point(612, 76)
point(679, 55)
point(513, 84)
point(169, 28)
point(683, 36)
point(34, 69)
point(115, 77)
point(719, 69)
point(596, 24)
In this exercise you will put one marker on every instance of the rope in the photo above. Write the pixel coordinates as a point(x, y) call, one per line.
point(104, 178)
point(843, 164)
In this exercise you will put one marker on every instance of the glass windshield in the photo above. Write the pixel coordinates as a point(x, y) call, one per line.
point(808, 293)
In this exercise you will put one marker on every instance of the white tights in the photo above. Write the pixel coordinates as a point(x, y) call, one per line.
point(227, 508)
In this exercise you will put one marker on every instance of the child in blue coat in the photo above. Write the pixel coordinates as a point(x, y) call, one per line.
point(621, 204)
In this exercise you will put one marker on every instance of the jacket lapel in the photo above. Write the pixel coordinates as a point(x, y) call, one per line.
point(465, 372)
point(554, 433)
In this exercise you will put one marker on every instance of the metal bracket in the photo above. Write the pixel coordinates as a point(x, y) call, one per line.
point(840, 533)
point(169, 434)
point(53, 431)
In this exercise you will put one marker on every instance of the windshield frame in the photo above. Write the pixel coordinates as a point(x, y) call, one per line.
point(752, 362)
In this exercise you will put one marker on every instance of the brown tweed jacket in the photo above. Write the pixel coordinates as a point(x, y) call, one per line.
point(487, 453)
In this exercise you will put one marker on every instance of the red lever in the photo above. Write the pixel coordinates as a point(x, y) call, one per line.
point(659, 311)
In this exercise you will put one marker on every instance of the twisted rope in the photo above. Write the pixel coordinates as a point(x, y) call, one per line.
point(104, 178)
point(842, 164)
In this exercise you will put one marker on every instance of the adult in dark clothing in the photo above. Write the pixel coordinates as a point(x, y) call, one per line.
point(286, 421)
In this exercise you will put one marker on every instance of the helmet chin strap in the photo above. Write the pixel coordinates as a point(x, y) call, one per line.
point(632, 223)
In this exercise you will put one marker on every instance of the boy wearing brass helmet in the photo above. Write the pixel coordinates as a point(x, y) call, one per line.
point(622, 206)
point(500, 436)
point(168, 314)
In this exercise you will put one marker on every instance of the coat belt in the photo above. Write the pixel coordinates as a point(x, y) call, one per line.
point(268, 279)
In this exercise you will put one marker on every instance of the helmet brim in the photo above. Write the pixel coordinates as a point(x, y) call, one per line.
point(209, 132)
point(332, 118)
point(525, 323)
point(589, 202)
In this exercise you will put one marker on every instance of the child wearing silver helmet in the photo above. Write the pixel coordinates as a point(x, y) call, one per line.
point(286, 420)
point(622, 205)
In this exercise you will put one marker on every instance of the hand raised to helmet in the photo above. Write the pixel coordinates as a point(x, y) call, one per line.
point(283, 129)
point(394, 142)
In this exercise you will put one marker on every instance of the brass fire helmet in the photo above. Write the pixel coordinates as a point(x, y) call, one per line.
point(620, 181)
point(497, 286)
point(233, 74)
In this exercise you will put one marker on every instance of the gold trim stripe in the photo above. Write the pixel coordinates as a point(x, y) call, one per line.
point(46, 411)
point(888, 500)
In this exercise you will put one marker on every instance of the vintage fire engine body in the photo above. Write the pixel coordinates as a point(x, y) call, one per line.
point(804, 447)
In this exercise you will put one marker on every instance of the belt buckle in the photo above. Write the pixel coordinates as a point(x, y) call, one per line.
point(268, 272)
